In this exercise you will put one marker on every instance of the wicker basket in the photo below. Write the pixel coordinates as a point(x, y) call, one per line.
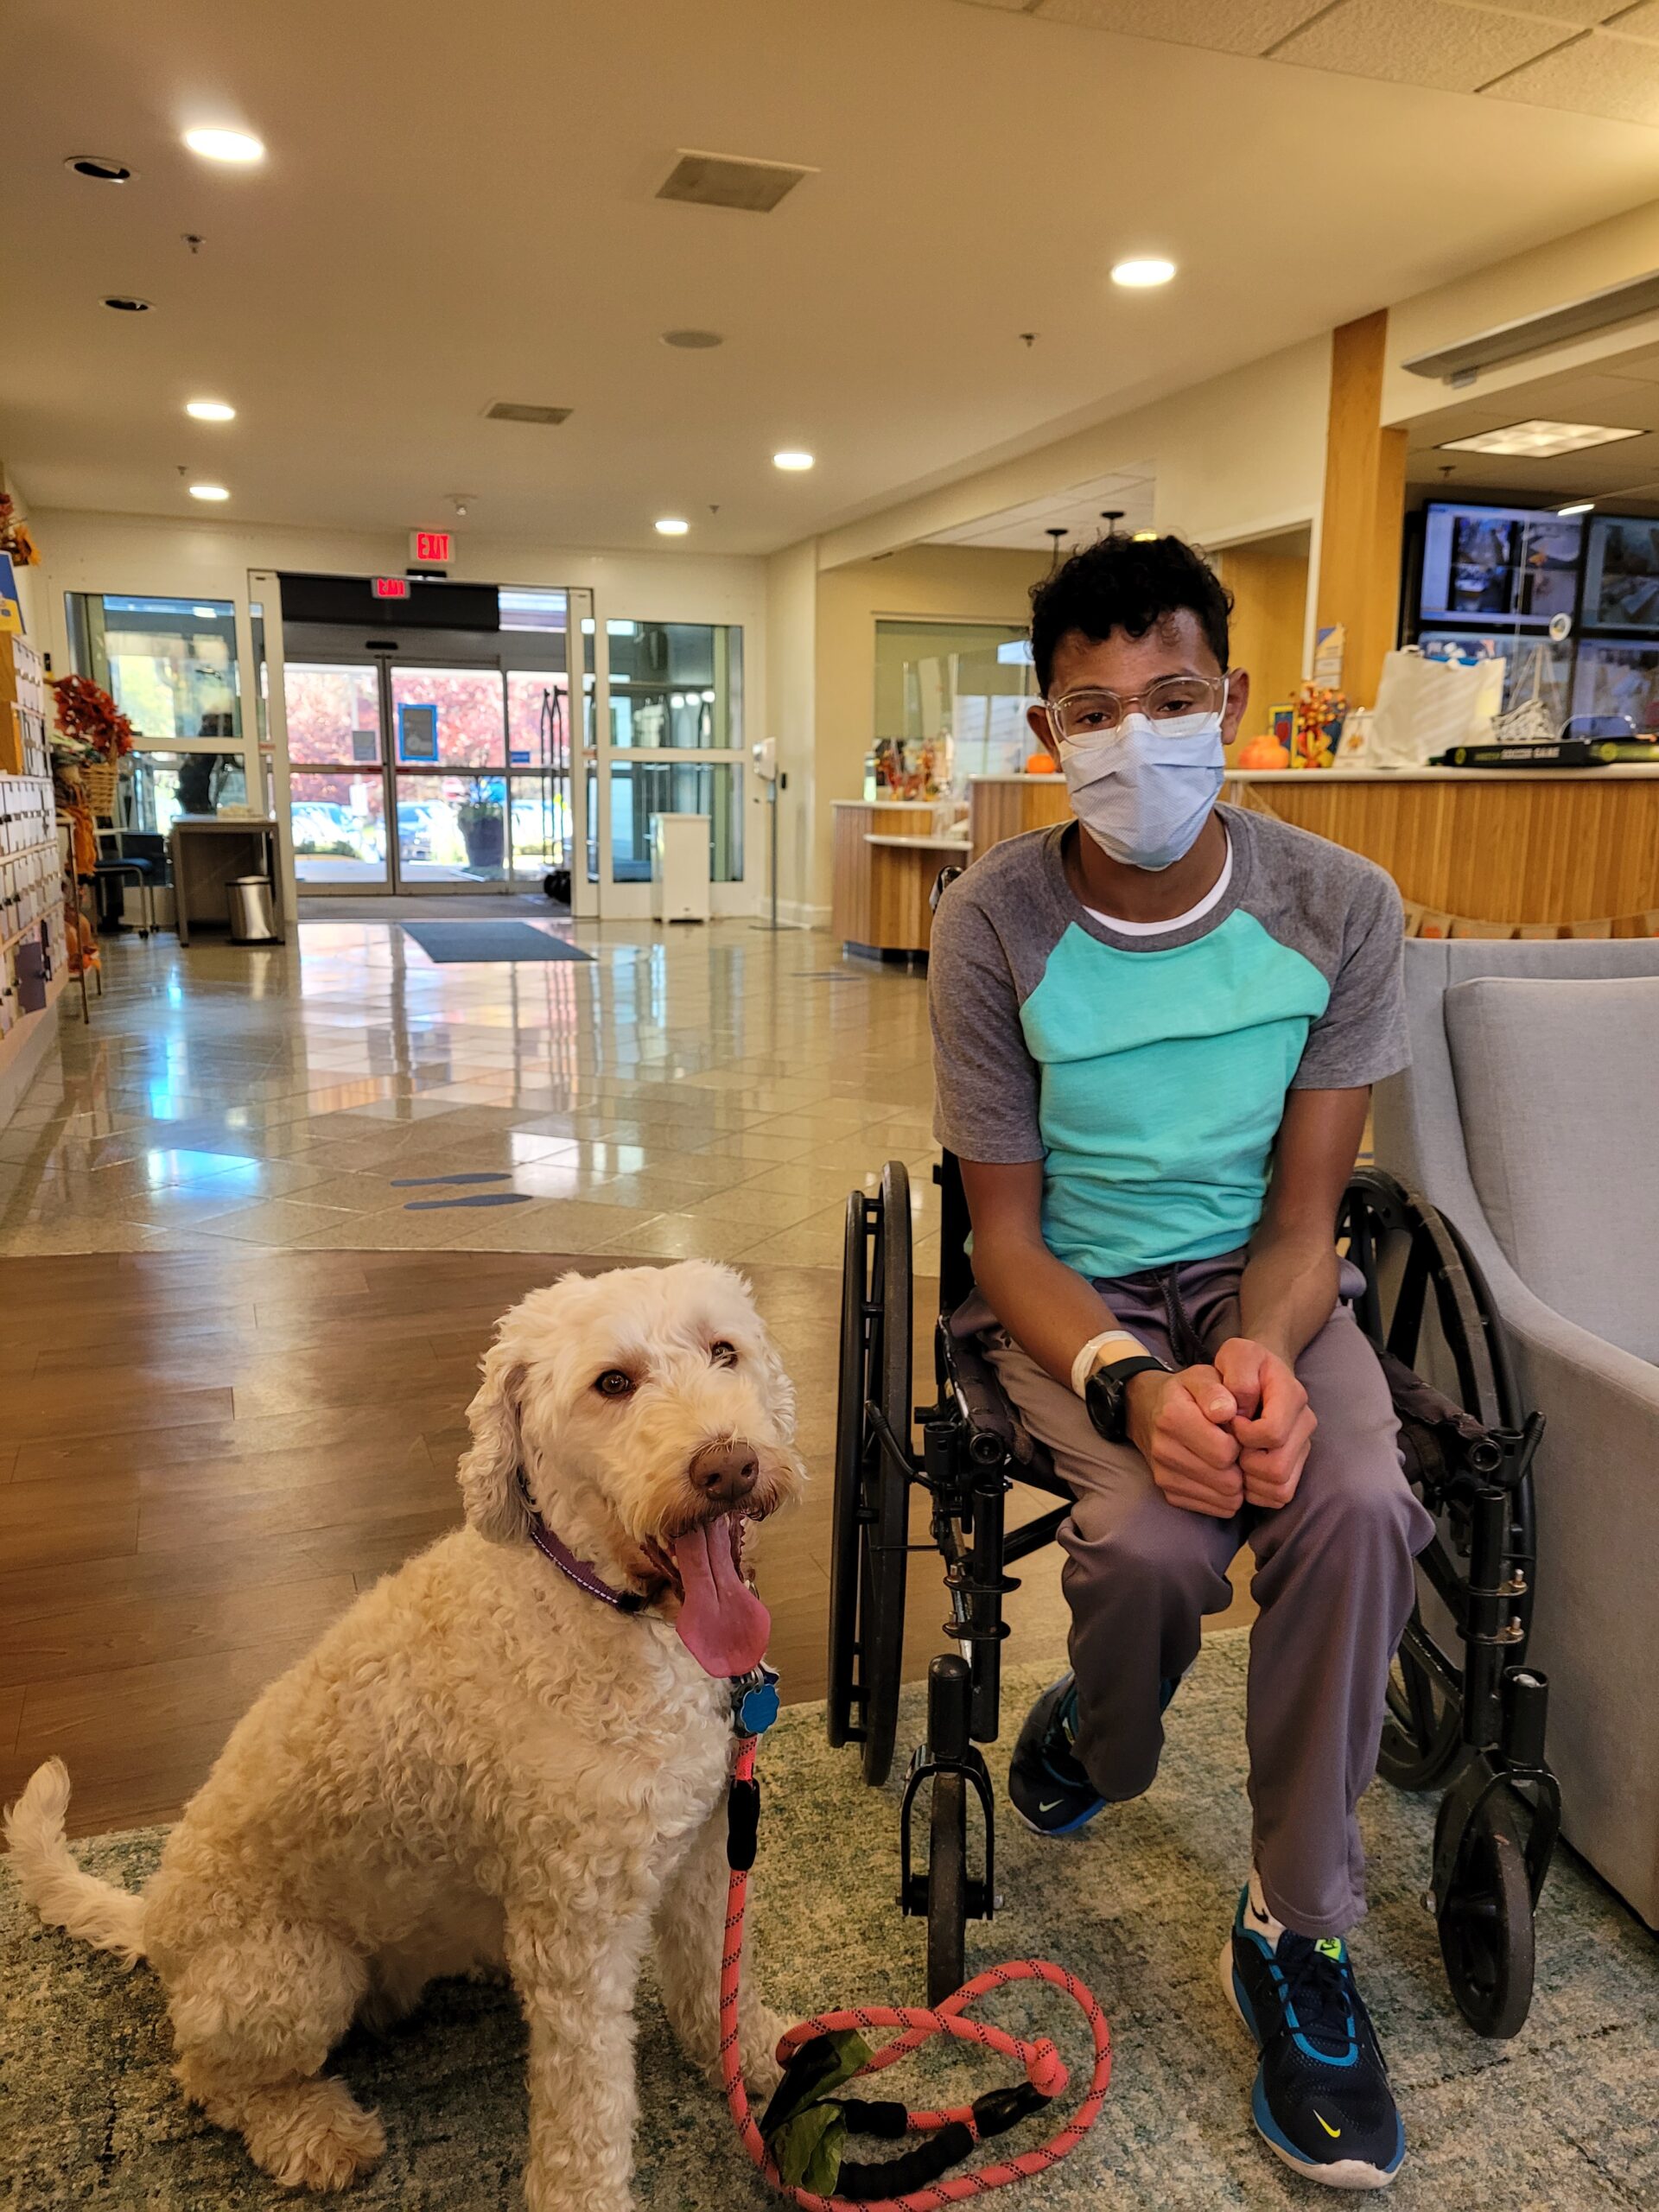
point(100, 780)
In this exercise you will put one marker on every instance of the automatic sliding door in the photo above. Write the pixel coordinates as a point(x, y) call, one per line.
point(449, 750)
point(336, 776)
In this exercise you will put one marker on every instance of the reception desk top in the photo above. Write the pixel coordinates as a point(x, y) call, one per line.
point(1615, 772)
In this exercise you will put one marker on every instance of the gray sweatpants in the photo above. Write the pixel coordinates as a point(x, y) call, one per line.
point(1333, 1581)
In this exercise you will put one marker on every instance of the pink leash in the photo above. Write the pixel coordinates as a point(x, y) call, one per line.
point(1045, 2069)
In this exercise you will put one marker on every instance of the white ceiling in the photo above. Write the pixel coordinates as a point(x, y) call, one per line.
point(458, 208)
point(1592, 57)
point(1080, 510)
point(1621, 392)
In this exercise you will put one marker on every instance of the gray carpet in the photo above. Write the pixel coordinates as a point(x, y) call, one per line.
point(1562, 2119)
point(454, 943)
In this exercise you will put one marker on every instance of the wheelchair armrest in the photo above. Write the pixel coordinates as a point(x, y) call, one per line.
point(985, 1406)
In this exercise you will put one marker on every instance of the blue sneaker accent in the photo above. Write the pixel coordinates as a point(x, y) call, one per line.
point(1047, 1784)
point(1321, 2098)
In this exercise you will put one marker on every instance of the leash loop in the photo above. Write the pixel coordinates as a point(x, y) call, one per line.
point(990, 2114)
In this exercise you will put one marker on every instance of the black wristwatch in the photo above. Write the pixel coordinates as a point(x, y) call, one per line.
point(1106, 1392)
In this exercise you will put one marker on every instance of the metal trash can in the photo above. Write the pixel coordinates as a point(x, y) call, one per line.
point(251, 918)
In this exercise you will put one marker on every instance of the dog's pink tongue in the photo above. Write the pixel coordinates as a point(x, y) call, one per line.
point(722, 1624)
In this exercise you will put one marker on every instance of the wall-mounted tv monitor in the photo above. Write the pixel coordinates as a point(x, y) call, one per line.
point(1621, 574)
point(1518, 564)
point(1617, 679)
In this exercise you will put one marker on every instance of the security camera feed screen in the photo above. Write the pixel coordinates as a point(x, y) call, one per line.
point(1619, 680)
point(1515, 563)
point(1621, 575)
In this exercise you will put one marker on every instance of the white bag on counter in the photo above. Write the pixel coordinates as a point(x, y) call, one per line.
point(1423, 706)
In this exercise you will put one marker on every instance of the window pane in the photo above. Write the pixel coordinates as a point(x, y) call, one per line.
point(161, 786)
point(538, 718)
point(170, 665)
point(676, 683)
point(541, 827)
point(339, 830)
point(954, 691)
point(466, 724)
point(641, 790)
point(333, 714)
point(452, 829)
point(533, 610)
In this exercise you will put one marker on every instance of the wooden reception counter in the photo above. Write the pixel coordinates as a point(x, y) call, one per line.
point(1540, 846)
point(888, 857)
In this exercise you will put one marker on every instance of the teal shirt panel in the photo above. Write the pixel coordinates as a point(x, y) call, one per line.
point(1162, 1083)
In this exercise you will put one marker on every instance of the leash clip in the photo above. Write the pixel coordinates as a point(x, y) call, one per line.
point(754, 1701)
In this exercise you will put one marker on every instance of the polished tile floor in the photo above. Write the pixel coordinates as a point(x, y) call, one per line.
point(710, 1091)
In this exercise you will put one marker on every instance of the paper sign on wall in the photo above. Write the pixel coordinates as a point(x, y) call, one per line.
point(417, 733)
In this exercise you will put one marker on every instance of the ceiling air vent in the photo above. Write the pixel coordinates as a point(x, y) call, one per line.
point(729, 181)
point(515, 410)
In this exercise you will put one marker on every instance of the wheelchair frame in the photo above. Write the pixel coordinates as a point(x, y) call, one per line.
point(1479, 1710)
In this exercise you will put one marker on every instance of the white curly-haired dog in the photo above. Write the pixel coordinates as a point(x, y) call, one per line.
point(486, 1761)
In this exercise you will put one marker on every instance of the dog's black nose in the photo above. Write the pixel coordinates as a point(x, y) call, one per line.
point(725, 1471)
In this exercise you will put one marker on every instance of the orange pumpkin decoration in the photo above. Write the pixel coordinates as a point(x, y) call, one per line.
point(1040, 764)
point(1262, 753)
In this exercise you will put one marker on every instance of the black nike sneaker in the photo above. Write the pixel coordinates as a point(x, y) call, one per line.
point(1322, 2099)
point(1047, 1785)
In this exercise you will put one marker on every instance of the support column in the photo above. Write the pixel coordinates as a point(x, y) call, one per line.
point(1364, 508)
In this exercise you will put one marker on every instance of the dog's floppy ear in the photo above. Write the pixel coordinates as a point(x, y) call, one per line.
point(489, 1468)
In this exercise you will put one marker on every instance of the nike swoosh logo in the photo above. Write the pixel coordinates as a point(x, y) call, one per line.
point(1052, 1805)
point(1335, 2133)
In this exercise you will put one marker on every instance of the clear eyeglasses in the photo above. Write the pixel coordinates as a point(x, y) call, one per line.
point(1083, 714)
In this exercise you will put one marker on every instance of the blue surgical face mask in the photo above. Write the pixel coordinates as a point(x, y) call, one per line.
point(1144, 793)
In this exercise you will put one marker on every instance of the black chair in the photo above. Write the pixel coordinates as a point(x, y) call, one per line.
point(1461, 1702)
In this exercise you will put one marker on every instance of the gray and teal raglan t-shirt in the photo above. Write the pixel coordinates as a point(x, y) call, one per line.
point(1149, 1074)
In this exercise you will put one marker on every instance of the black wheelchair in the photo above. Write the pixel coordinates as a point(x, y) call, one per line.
point(1462, 1705)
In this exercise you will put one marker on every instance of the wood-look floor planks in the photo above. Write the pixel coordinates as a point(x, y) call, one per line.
point(276, 1431)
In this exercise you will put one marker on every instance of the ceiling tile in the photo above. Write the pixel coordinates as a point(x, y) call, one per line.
point(1598, 75)
point(1225, 26)
point(1437, 43)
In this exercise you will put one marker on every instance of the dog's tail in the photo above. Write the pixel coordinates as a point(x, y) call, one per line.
point(47, 1873)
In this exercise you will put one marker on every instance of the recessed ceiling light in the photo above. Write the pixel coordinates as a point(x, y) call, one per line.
point(127, 303)
point(1538, 441)
point(103, 169)
point(1139, 274)
point(215, 145)
point(671, 526)
point(210, 410)
point(792, 461)
point(1144, 536)
point(693, 341)
point(1577, 507)
point(208, 491)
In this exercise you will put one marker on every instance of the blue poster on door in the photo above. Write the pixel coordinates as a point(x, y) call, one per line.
point(417, 734)
point(11, 613)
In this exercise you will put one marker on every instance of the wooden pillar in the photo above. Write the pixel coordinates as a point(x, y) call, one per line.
point(1364, 508)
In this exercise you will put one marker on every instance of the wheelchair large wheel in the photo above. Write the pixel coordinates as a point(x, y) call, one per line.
point(1485, 1920)
point(947, 1887)
point(1424, 1301)
point(871, 1503)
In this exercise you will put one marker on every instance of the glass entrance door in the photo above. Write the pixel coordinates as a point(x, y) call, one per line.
point(429, 778)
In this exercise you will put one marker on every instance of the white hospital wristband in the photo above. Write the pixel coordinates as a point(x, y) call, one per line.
point(1087, 1359)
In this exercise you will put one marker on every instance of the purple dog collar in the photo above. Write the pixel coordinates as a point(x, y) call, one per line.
point(579, 1571)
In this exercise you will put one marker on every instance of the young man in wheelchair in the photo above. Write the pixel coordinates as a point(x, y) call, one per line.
point(1156, 1030)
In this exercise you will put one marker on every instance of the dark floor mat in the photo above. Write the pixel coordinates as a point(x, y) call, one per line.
point(453, 943)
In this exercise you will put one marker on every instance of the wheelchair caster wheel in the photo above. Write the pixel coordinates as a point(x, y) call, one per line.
point(947, 1887)
point(1485, 1920)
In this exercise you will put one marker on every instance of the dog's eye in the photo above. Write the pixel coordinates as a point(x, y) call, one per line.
point(614, 1382)
point(722, 1354)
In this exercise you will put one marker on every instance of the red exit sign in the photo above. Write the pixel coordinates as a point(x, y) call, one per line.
point(434, 545)
point(391, 586)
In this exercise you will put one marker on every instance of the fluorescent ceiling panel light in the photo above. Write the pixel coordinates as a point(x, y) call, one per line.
point(1139, 275)
point(792, 461)
point(216, 145)
point(208, 491)
point(210, 410)
point(1538, 441)
point(671, 526)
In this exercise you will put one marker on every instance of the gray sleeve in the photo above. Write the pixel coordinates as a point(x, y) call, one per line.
point(984, 1079)
point(1361, 1036)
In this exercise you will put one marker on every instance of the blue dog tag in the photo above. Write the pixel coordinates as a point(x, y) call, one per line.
point(755, 1705)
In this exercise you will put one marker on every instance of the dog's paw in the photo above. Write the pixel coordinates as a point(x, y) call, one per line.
point(757, 2051)
point(314, 2135)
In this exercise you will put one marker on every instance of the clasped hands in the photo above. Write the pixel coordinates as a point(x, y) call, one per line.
point(1225, 1436)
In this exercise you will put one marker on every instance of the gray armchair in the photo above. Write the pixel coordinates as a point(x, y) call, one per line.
point(1530, 1116)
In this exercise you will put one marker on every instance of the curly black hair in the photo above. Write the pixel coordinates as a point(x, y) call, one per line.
point(1129, 584)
